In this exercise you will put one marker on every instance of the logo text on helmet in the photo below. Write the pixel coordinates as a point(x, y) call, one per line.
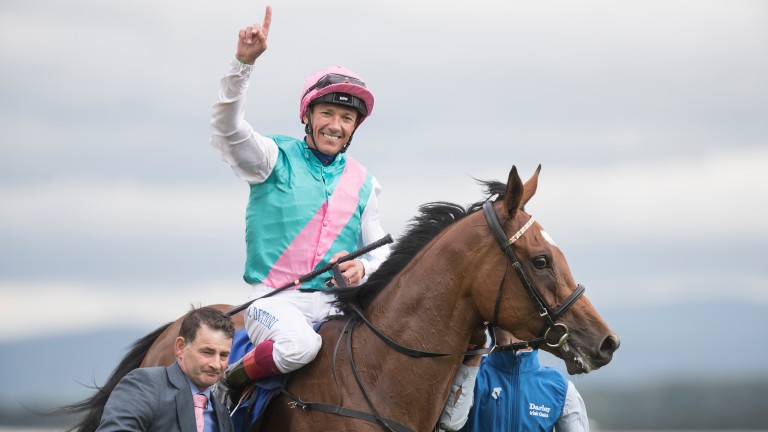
point(341, 97)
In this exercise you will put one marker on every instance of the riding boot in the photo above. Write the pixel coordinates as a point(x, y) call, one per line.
point(258, 363)
point(255, 365)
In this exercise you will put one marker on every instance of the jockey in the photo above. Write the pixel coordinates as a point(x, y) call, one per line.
point(310, 203)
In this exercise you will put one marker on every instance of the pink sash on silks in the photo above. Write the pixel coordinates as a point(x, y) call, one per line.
point(323, 229)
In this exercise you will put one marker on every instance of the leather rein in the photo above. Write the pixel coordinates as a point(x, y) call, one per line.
point(549, 315)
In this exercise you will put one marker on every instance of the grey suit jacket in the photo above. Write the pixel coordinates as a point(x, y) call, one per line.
point(155, 399)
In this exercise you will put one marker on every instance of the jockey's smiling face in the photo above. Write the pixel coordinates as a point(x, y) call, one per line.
point(332, 126)
point(204, 359)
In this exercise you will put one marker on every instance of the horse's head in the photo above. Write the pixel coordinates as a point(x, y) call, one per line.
point(528, 288)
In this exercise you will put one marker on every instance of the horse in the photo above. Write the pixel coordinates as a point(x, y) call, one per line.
point(388, 360)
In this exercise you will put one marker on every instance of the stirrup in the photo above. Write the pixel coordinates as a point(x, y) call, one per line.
point(231, 384)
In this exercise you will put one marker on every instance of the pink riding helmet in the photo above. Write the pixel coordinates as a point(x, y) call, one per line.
point(331, 85)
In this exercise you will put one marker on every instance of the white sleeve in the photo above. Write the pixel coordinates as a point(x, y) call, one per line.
point(574, 418)
point(370, 231)
point(456, 410)
point(251, 155)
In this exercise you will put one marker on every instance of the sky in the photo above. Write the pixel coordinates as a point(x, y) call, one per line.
point(649, 118)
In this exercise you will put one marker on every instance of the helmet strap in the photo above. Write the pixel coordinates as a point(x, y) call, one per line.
point(308, 129)
point(346, 146)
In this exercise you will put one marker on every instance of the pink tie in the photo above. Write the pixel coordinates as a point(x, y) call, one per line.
point(200, 401)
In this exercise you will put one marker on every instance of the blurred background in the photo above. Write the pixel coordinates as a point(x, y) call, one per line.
point(648, 117)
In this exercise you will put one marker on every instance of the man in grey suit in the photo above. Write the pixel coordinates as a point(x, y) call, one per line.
point(161, 398)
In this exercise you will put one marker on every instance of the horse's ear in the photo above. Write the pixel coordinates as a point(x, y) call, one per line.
point(514, 193)
point(517, 194)
point(530, 186)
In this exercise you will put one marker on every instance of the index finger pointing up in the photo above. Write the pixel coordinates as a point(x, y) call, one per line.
point(267, 21)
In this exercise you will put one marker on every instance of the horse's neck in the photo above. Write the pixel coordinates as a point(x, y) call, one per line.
point(426, 303)
point(425, 307)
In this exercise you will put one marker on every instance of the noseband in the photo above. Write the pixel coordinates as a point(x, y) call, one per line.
point(548, 314)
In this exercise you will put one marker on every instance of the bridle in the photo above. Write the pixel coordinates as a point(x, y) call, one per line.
point(549, 315)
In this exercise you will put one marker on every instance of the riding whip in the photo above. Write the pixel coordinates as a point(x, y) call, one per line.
point(362, 251)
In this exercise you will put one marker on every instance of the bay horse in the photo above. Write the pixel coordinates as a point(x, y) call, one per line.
point(388, 361)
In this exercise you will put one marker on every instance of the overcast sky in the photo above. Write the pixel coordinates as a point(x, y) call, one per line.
point(650, 119)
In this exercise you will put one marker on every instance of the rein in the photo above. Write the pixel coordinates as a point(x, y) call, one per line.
point(549, 315)
point(372, 417)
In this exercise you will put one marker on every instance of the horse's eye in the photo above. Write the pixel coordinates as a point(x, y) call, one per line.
point(540, 262)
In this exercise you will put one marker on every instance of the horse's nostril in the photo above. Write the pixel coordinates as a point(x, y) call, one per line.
point(610, 344)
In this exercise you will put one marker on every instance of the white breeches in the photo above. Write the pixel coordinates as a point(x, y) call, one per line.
point(287, 319)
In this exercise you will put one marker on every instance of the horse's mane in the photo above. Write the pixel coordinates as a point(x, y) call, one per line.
point(432, 219)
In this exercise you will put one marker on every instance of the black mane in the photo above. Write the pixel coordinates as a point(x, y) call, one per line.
point(432, 219)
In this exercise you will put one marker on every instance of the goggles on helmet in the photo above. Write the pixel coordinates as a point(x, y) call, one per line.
point(333, 78)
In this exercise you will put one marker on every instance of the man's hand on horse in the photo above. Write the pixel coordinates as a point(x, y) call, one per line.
point(352, 271)
point(252, 40)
